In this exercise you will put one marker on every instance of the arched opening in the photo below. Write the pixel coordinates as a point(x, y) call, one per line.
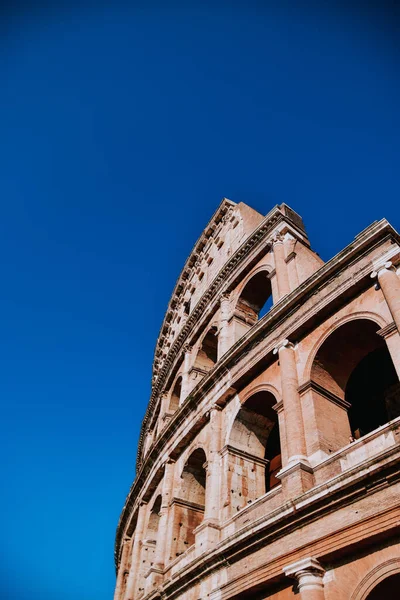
point(149, 543)
point(154, 519)
point(373, 392)
point(207, 356)
point(256, 298)
point(255, 450)
point(388, 589)
point(354, 365)
point(188, 509)
point(175, 396)
point(193, 486)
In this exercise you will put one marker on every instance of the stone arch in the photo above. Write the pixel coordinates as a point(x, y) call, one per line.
point(207, 354)
point(154, 520)
point(253, 297)
point(253, 450)
point(376, 318)
point(175, 395)
point(260, 387)
point(188, 509)
point(371, 582)
point(353, 370)
point(193, 485)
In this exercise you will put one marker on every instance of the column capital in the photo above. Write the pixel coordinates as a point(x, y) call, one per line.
point(277, 238)
point(308, 564)
point(387, 266)
point(168, 461)
point(187, 348)
point(283, 344)
point(213, 407)
point(308, 573)
point(225, 297)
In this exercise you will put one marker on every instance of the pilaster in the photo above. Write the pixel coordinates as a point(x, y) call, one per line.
point(187, 362)
point(297, 474)
point(136, 549)
point(389, 282)
point(281, 269)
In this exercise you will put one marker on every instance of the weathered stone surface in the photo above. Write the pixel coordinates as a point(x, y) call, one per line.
point(269, 460)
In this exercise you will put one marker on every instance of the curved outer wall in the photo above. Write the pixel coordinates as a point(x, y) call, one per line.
point(268, 463)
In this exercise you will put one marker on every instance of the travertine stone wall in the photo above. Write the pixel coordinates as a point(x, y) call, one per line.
point(262, 472)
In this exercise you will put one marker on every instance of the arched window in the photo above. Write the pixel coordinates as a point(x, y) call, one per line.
point(256, 298)
point(154, 519)
point(254, 450)
point(193, 486)
point(207, 356)
point(354, 365)
point(188, 509)
point(175, 396)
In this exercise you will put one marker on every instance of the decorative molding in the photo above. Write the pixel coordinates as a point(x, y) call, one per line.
point(319, 389)
point(283, 344)
point(374, 577)
point(305, 565)
point(295, 463)
point(387, 266)
point(231, 450)
point(187, 504)
point(387, 331)
point(290, 257)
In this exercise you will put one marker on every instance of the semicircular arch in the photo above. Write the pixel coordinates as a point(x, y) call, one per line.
point(356, 316)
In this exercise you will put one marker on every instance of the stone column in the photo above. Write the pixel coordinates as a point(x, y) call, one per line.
point(309, 576)
point(122, 569)
point(390, 285)
point(155, 574)
point(187, 363)
point(136, 548)
point(281, 270)
point(163, 526)
point(164, 417)
point(297, 474)
point(223, 337)
point(213, 466)
point(207, 533)
point(392, 338)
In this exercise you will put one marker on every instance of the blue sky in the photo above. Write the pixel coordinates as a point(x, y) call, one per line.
point(123, 124)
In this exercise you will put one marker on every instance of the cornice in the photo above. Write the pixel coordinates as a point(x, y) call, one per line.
point(217, 217)
point(375, 234)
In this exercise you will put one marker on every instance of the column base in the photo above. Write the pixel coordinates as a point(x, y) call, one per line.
point(297, 477)
point(207, 535)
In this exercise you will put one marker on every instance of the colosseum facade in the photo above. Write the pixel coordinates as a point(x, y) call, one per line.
point(269, 456)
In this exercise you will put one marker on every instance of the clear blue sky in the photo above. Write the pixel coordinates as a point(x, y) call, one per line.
point(122, 126)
